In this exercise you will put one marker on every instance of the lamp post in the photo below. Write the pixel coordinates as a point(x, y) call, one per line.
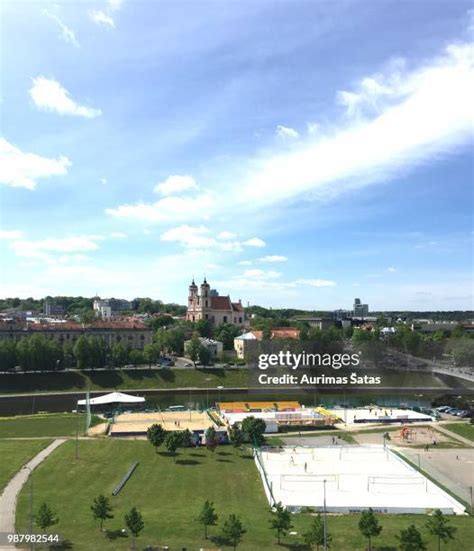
point(31, 501)
point(325, 526)
point(219, 388)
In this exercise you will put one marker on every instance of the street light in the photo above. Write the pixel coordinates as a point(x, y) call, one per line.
point(31, 501)
point(325, 520)
point(219, 388)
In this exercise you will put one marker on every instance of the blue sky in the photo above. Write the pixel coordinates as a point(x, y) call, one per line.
point(297, 153)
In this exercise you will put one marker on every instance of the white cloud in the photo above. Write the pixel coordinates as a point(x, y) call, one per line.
point(254, 242)
point(19, 169)
point(104, 17)
point(103, 181)
point(101, 18)
point(316, 282)
point(175, 184)
point(394, 121)
point(259, 274)
point(189, 236)
point(391, 269)
point(27, 247)
point(244, 263)
point(67, 34)
point(312, 127)
point(168, 209)
point(273, 258)
point(286, 132)
point(49, 95)
point(11, 235)
point(118, 235)
point(225, 235)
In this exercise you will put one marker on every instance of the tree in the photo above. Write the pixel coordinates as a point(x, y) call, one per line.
point(119, 354)
point(254, 430)
point(193, 348)
point(315, 534)
point(156, 435)
point(207, 516)
point(101, 509)
point(205, 355)
point(45, 518)
point(211, 439)
point(82, 352)
point(280, 521)
point(186, 438)
point(151, 353)
point(236, 436)
point(96, 352)
point(203, 327)
point(7, 355)
point(172, 442)
point(369, 526)
point(410, 540)
point(438, 525)
point(134, 522)
point(233, 531)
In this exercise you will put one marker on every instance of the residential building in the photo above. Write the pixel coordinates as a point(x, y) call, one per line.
point(215, 347)
point(249, 341)
point(130, 332)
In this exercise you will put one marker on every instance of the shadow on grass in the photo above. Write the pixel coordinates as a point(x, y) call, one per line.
point(61, 546)
point(105, 379)
point(113, 535)
point(169, 454)
point(217, 372)
point(390, 548)
point(187, 462)
point(24, 382)
point(224, 453)
point(197, 455)
point(246, 457)
point(295, 546)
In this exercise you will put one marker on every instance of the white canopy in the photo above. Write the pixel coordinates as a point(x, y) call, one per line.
point(112, 398)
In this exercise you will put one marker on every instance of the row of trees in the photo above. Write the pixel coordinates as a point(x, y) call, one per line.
point(252, 431)
point(233, 531)
point(38, 353)
point(410, 538)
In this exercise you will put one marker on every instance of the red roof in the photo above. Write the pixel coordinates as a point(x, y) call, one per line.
point(279, 333)
point(237, 307)
point(221, 303)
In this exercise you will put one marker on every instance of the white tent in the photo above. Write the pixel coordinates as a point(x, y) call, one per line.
point(112, 398)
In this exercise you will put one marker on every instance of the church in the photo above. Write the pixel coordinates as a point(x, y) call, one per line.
point(205, 303)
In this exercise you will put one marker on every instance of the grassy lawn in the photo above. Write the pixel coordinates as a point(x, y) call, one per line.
point(123, 379)
point(169, 495)
point(50, 424)
point(15, 454)
point(463, 429)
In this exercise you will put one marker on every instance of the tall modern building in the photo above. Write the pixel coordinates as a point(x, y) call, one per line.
point(205, 303)
point(360, 310)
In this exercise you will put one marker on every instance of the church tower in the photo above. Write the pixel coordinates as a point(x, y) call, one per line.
point(205, 295)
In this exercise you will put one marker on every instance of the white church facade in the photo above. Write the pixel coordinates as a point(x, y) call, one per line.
point(206, 304)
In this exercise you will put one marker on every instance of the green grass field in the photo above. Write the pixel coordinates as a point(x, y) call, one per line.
point(463, 429)
point(150, 379)
point(50, 424)
point(14, 454)
point(169, 495)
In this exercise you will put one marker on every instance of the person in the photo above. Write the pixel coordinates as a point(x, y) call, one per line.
point(306, 466)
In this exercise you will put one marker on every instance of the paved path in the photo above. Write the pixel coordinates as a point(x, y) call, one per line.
point(10, 494)
point(454, 435)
